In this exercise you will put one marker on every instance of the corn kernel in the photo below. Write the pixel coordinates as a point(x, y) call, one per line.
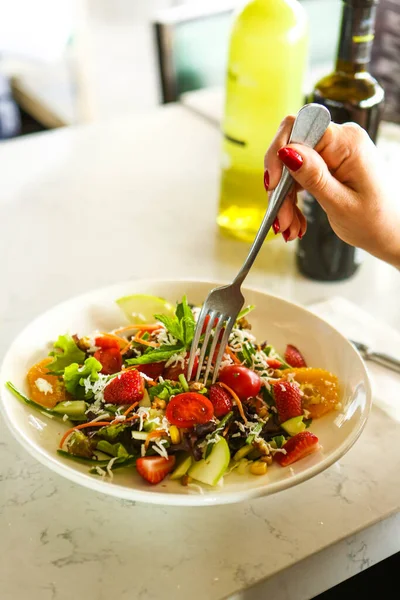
point(174, 434)
point(258, 468)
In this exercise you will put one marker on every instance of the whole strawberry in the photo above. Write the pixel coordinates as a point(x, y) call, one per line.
point(288, 400)
point(297, 447)
point(221, 400)
point(125, 388)
point(294, 358)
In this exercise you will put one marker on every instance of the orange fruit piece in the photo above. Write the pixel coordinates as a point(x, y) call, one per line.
point(320, 389)
point(45, 389)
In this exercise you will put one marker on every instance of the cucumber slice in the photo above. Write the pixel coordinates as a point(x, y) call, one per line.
point(141, 308)
point(211, 469)
point(294, 425)
point(74, 409)
point(182, 468)
point(139, 435)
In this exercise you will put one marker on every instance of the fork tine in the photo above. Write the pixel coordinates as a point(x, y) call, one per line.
point(207, 334)
point(221, 320)
point(195, 342)
point(221, 351)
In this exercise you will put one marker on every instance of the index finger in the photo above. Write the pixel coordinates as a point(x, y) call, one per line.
point(272, 163)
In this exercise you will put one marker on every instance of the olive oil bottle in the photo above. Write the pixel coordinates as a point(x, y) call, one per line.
point(350, 94)
point(265, 76)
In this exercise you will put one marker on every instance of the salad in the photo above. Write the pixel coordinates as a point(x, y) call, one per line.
point(127, 400)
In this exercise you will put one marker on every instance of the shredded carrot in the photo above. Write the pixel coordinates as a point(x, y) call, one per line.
point(133, 418)
point(130, 409)
point(83, 426)
point(127, 347)
point(233, 356)
point(225, 432)
point(154, 434)
point(139, 340)
point(122, 342)
point(236, 399)
point(144, 327)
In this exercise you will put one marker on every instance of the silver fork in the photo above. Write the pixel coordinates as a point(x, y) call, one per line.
point(223, 304)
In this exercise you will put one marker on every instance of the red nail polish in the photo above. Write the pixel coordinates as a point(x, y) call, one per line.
point(286, 235)
point(275, 226)
point(266, 179)
point(290, 158)
point(301, 234)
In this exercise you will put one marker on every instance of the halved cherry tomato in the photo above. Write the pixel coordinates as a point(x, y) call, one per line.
point(245, 382)
point(206, 322)
point(152, 370)
point(174, 371)
point(111, 360)
point(106, 341)
point(189, 409)
point(274, 363)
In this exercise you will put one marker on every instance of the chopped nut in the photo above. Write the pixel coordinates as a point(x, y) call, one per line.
point(244, 324)
point(262, 447)
point(196, 386)
point(158, 403)
point(263, 412)
point(186, 479)
point(266, 459)
point(83, 343)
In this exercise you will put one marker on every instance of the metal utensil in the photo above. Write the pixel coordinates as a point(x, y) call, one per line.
point(385, 360)
point(223, 304)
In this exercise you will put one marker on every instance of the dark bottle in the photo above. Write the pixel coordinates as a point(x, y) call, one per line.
point(350, 94)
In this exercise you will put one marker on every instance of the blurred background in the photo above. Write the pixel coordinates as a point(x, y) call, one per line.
point(74, 61)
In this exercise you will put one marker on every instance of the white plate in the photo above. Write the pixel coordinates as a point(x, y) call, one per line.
point(276, 320)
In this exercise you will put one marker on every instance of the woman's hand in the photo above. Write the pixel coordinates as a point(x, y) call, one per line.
point(344, 174)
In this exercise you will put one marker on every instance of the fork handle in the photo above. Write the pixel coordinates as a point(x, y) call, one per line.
point(310, 125)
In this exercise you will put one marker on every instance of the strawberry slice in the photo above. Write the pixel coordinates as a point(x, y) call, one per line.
point(221, 400)
point(125, 388)
point(298, 447)
point(288, 400)
point(154, 468)
point(294, 358)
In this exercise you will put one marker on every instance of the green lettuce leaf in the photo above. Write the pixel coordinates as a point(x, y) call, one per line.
point(74, 377)
point(70, 353)
point(185, 315)
point(173, 326)
point(165, 390)
point(112, 449)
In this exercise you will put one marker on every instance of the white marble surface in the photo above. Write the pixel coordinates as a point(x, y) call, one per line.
point(78, 209)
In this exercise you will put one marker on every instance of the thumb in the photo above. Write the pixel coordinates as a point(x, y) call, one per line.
point(310, 171)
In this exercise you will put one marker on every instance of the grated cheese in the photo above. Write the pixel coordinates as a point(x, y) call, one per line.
point(178, 358)
point(143, 413)
point(142, 450)
point(101, 471)
point(44, 386)
point(158, 446)
point(109, 467)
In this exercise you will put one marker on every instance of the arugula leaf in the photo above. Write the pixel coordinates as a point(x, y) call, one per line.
point(74, 377)
point(160, 354)
point(70, 353)
point(173, 326)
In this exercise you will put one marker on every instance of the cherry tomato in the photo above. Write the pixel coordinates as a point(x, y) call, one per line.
point(206, 322)
point(173, 372)
point(189, 409)
point(111, 360)
point(245, 382)
point(152, 370)
point(106, 341)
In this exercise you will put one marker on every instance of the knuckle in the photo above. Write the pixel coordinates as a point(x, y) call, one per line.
point(315, 179)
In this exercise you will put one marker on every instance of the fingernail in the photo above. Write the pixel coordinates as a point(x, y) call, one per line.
point(286, 235)
point(266, 179)
point(300, 236)
point(290, 158)
point(275, 226)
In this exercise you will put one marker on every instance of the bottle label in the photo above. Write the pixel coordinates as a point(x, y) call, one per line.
point(357, 35)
